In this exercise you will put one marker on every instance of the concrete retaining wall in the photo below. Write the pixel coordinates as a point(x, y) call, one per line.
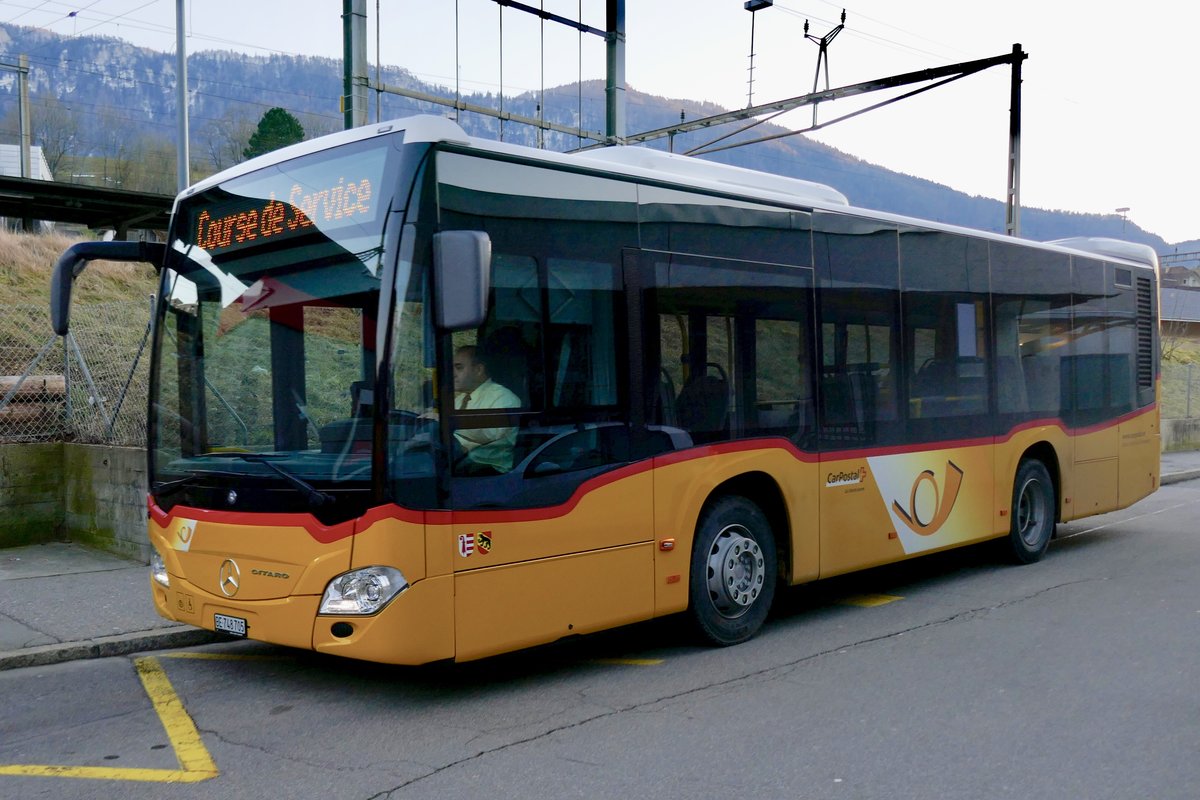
point(31, 494)
point(105, 498)
point(1181, 434)
point(57, 491)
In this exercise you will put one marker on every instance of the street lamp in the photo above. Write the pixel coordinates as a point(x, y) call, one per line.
point(1123, 211)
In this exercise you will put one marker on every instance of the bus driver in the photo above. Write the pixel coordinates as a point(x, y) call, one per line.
point(488, 450)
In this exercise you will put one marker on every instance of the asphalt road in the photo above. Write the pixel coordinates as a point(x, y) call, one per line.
point(952, 676)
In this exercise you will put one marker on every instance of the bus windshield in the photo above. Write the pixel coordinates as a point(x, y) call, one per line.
point(265, 337)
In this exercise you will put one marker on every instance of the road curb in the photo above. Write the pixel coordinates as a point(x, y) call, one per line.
point(107, 646)
point(1177, 477)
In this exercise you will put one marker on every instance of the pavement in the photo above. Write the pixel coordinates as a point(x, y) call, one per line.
point(64, 602)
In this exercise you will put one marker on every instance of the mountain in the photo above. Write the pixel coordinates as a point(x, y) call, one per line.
point(115, 89)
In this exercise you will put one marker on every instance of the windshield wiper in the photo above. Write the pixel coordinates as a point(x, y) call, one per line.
point(168, 488)
point(316, 498)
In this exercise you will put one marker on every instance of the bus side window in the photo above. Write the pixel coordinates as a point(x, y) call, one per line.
point(582, 338)
point(734, 349)
point(947, 353)
point(1032, 318)
point(859, 306)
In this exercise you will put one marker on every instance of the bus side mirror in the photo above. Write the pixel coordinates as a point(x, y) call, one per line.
point(462, 274)
point(76, 257)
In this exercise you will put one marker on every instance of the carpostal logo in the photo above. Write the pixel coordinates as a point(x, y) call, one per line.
point(928, 523)
point(846, 478)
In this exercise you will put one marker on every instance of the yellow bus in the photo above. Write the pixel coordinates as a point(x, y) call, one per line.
point(418, 396)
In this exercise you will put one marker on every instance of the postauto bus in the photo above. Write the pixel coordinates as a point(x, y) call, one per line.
point(702, 383)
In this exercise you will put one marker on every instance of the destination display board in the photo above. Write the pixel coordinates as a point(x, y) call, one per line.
point(325, 192)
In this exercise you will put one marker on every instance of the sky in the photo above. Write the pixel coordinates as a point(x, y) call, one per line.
point(1104, 95)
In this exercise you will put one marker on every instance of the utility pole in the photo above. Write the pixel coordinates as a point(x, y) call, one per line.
point(23, 112)
point(614, 90)
point(823, 42)
point(354, 63)
point(26, 130)
point(182, 164)
point(1013, 201)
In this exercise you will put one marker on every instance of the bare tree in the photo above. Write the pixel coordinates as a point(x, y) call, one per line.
point(55, 127)
point(153, 170)
point(318, 124)
point(225, 138)
point(1173, 339)
point(116, 145)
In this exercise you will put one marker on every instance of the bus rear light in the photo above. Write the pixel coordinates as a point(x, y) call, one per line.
point(362, 591)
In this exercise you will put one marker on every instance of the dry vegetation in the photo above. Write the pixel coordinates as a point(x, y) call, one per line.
point(27, 261)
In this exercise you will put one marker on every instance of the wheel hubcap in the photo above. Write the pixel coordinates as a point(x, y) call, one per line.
point(735, 571)
point(1031, 512)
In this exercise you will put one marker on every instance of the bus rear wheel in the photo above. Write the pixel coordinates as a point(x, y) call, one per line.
point(1032, 512)
point(733, 571)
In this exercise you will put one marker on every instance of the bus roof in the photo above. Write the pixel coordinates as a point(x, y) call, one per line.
point(686, 171)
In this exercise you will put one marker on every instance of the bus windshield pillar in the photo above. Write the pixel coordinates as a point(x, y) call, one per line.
point(287, 377)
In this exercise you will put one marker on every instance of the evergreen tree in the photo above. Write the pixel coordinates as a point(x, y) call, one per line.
point(276, 129)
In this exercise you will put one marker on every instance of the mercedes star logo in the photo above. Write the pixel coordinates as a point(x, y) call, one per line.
point(229, 578)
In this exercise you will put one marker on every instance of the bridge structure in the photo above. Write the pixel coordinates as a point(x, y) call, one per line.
point(96, 207)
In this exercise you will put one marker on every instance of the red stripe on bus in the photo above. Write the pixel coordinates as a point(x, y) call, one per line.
point(327, 534)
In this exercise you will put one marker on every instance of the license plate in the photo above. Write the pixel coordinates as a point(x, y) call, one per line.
point(235, 626)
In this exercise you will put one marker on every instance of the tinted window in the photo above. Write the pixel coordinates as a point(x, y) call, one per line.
point(1032, 321)
point(554, 336)
point(858, 270)
point(947, 355)
point(733, 349)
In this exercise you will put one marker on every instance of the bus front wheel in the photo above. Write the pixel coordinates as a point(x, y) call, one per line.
point(733, 571)
point(1032, 512)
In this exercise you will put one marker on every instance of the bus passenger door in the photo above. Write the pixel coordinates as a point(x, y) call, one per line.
point(550, 521)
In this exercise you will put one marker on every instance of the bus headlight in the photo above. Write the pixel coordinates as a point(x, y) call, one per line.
point(362, 591)
point(158, 570)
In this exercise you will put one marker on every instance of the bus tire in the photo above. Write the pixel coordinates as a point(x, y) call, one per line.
point(1032, 512)
point(733, 571)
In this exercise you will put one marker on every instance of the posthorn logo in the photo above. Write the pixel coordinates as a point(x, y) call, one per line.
point(923, 517)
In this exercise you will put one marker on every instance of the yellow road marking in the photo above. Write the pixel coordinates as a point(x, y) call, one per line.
point(194, 761)
point(105, 773)
point(627, 662)
point(190, 751)
point(868, 600)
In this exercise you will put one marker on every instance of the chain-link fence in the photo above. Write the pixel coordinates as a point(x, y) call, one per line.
point(1180, 390)
point(89, 387)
